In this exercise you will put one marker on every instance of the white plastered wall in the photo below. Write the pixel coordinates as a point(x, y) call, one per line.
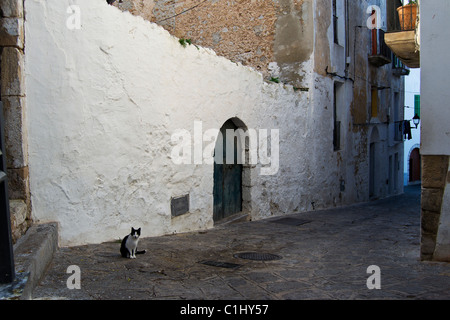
point(435, 113)
point(104, 101)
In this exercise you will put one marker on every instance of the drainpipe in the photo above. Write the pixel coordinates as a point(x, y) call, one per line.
point(347, 38)
point(417, 36)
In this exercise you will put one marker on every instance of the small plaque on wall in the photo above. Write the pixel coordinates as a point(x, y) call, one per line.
point(179, 205)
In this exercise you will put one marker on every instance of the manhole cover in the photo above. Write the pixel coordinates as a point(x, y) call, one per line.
point(257, 256)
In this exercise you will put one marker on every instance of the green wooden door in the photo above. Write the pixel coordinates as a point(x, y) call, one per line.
point(227, 181)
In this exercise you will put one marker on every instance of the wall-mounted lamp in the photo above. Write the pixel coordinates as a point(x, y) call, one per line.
point(416, 120)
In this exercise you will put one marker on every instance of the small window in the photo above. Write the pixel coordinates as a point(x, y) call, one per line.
point(335, 22)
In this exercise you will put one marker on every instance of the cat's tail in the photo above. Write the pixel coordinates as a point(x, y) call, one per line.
point(141, 252)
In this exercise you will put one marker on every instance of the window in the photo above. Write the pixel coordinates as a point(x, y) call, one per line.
point(339, 18)
point(337, 109)
point(396, 106)
point(398, 124)
point(417, 104)
point(335, 22)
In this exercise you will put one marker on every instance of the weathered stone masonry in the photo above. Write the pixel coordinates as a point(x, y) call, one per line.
point(435, 177)
point(256, 33)
point(12, 46)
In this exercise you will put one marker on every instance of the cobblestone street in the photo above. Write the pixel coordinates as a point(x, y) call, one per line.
point(324, 255)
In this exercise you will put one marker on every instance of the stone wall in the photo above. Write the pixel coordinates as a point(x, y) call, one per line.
point(435, 180)
point(435, 130)
point(273, 37)
point(13, 97)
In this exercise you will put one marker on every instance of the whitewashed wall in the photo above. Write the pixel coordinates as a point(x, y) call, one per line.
point(104, 101)
point(435, 43)
point(435, 113)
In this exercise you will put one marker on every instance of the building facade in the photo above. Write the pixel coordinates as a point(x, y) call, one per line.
point(124, 113)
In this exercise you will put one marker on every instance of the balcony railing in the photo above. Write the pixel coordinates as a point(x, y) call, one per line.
point(401, 17)
point(402, 28)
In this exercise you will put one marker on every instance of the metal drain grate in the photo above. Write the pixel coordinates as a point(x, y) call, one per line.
point(219, 264)
point(291, 221)
point(257, 256)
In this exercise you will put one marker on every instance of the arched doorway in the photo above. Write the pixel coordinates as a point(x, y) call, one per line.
point(228, 174)
point(414, 166)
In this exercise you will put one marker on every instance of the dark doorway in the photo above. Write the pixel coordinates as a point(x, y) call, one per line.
point(414, 165)
point(227, 178)
point(372, 170)
point(373, 164)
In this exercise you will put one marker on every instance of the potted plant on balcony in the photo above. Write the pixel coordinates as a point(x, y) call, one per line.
point(407, 15)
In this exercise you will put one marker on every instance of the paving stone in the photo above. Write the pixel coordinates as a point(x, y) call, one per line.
point(324, 259)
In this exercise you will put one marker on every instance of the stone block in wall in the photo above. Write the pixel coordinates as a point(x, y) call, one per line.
point(11, 32)
point(434, 171)
point(432, 199)
point(12, 8)
point(18, 212)
point(12, 72)
point(427, 246)
point(430, 222)
point(249, 174)
point(19, 221)
point(18, 183)
point(15, 135)
point(434, 179)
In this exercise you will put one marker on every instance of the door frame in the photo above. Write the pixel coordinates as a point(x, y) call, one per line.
point(247, 168)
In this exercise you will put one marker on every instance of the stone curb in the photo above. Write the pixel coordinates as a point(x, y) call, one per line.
point(33, 254)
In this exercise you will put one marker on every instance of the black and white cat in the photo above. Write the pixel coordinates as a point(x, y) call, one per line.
point(112, 1)
point(128, 248)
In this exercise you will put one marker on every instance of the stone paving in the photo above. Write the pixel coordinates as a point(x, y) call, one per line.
point(326, 256)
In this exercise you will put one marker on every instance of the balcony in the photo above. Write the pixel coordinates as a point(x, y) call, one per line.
point(381, 54)
point(398, 67)
point(402, 32)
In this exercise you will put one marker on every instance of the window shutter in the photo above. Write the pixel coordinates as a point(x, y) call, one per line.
point(417, 105)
